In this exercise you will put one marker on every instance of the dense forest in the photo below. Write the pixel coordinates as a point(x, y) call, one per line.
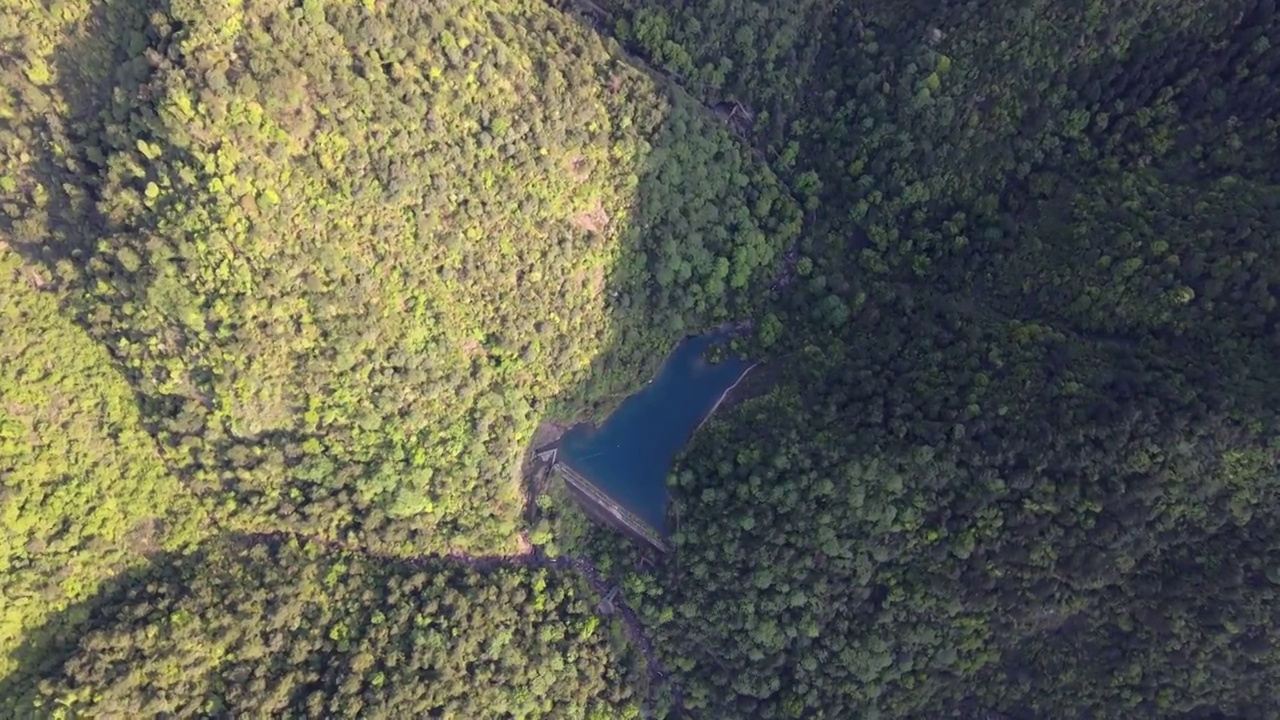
point(350, 257)
point(85, 496)
point(283, 628)
point(288, 288)
point(1024, 457)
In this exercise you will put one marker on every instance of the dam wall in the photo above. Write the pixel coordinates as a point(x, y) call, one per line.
point(589, 492)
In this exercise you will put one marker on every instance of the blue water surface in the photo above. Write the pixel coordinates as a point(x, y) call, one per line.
point(629, 456)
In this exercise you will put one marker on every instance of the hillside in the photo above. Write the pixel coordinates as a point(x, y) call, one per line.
point(85, 497)
point(1024, 459)
point(289, 288)
point(351, 257)
point(282, 628)
point(324, 270)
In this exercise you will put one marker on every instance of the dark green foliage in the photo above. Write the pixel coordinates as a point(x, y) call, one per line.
point(840, 576)
point(1028, 353)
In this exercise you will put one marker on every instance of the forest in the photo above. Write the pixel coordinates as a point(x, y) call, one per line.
point(288, 288)
point(335, 634)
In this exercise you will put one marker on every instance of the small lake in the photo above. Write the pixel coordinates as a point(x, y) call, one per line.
point(629, 456)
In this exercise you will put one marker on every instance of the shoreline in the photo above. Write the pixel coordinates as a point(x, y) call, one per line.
point(537, 469)
point(548, 432)
point(725, 394)
point(608, 521)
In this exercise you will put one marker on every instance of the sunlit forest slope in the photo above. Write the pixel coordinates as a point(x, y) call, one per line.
point(351, 255)
point(323, 268)
point(85, 496)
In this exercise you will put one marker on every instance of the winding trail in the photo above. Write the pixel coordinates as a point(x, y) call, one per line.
point(535, 559)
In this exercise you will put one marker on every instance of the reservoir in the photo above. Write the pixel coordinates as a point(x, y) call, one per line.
point(629, 456)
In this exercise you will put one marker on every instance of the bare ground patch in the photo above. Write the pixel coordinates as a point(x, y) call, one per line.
point(593, 221)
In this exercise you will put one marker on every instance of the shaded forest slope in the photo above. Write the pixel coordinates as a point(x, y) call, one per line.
point(1025, 455)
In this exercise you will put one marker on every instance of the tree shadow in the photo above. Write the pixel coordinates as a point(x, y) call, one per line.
point(46, 648)
point(1175, 606)
point(100, 63)
point(96, 642)
point(57, 220)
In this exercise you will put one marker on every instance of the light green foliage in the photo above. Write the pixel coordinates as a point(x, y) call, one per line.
point(83, 494)
point(338, 259)
point(350, 255)
point(391, 238)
